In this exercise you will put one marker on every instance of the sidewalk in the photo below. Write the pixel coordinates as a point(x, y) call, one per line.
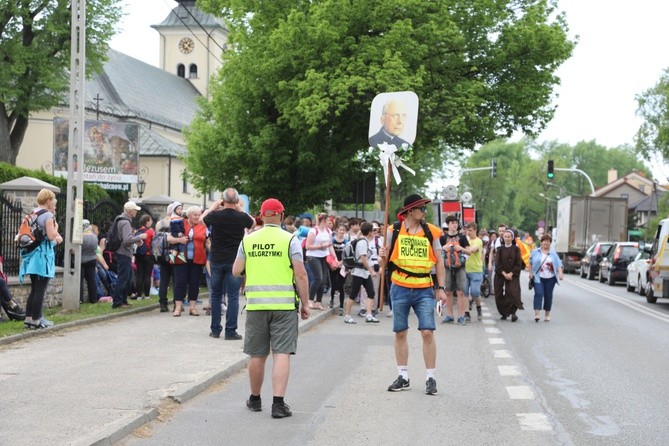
point(94, 383)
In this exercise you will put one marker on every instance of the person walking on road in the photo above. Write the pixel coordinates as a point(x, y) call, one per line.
point(455, 245)
point(411, 250)
point(508, 265)
point(228, 226)
point(271, 258)
point(545, 271)
point(362, 275)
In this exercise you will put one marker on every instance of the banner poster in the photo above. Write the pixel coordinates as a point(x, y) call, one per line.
point(111, 151)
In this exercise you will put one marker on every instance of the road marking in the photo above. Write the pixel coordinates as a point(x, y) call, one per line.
point(633, 305)
point(502, 353)
point(534, 422)
point(489, 321)
point(509, 370)
point(496, 341)
point(493, 330)
point(520, 393)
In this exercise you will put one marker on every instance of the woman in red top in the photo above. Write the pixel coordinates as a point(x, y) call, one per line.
point(144, 258)
point(187, 275)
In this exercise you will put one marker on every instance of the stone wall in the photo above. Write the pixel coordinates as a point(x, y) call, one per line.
point(54, 292)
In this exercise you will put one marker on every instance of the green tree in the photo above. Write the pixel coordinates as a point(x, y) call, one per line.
point(35, 54)
point(289, 113)
point(652, 137)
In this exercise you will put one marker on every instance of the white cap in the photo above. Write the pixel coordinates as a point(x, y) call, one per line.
point(131, 206)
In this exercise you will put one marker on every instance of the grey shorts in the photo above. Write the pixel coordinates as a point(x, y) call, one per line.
point(270, 329)
point(456, 279)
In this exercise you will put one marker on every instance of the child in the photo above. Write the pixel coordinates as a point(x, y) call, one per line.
point(177, 230)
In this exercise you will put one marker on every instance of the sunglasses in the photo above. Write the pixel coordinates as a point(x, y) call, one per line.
point(422, 208)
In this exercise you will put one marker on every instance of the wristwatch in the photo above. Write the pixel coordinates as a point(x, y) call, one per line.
point(441, 288)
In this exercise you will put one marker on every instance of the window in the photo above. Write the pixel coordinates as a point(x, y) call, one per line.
point(212, 195)
point(181, 70)
point(192, 71)
point(184, 185)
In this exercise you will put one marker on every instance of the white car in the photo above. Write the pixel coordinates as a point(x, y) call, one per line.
point(636, 273)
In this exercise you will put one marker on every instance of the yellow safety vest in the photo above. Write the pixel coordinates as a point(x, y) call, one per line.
point(269, 275)
point(413, 253)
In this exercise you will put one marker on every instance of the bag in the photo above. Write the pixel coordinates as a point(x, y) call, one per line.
point(113, 241)
point(142, 249)
point(530, 285)
point(30, 233)
point(348, 255)
point(160, 248)
point(332, 261)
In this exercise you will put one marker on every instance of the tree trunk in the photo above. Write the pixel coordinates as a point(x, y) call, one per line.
point(12, 132)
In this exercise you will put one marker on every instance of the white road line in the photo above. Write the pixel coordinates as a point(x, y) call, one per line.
point(508, 370)
point(489, 321)
point(534, 422)
point(520, 392)
point(502, 354)
point(496, 341)
point(633, 305)
point(493, 330)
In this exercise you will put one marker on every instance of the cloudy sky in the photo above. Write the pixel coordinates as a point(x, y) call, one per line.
point(619, 55)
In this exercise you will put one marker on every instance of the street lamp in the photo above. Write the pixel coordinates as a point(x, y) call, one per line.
point(141, 187)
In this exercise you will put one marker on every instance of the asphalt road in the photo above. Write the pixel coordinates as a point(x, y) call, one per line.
point(594, 375)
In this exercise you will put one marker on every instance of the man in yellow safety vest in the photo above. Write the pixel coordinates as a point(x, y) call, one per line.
point(271, 259)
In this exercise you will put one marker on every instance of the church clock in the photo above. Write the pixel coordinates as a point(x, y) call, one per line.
point(186, 45)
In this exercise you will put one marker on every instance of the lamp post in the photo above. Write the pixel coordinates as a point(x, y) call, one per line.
point(141, 187)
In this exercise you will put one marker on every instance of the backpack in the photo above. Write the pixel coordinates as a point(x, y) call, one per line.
point(452, 259)
point(142, 249)
point(30, 233)
point(396, 232)
point(348, 255)
point(113, 239)
point(160, 248)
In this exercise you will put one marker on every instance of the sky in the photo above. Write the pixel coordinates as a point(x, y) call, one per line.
point(618, 56)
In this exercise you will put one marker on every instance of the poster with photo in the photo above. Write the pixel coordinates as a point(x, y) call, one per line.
point(111, 151)
point(393, 119)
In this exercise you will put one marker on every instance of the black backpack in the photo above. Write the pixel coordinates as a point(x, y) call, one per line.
point(113, 238)
point(348, 255)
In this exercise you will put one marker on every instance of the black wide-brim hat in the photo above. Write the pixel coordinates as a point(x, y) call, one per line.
point(413, 201)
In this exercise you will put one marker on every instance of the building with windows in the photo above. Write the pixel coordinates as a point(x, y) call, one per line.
point(161, 100)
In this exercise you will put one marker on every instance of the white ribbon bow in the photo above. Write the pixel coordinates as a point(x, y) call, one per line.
point(388, 154)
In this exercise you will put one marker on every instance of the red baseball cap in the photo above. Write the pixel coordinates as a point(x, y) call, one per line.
point(271, 207)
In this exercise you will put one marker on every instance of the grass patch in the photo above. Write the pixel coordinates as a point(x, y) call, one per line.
point(85, 311)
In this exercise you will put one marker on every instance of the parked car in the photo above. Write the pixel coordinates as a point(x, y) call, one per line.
point(592, 257)
point(613, 266)
point(637, 273)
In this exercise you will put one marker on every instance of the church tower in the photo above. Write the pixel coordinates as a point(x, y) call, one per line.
point(192, 44)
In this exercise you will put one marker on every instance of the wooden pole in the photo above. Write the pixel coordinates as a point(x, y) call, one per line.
point(382, 281)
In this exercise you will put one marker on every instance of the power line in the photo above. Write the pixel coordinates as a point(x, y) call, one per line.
point(193, 33)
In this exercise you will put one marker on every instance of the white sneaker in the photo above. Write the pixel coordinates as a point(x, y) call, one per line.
point(349, 320)
point(372, 319)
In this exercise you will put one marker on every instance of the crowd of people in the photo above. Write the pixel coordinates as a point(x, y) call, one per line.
point(286, 265)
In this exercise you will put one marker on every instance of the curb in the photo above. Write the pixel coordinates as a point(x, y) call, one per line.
point(115, 433)
point(81, 322)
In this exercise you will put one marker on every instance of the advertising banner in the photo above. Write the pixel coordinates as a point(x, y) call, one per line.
point(111, 151)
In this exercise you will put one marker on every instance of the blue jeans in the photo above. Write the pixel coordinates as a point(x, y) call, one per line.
point(123, 281)
point(321, 273)
point(544, 290)
point(474, 284)
point(222, 279)
point(422, 302)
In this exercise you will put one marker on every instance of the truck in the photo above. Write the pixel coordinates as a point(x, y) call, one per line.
point(584, 220)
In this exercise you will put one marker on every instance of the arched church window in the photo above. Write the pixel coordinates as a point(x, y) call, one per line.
point(181, 70)
point(192, 71)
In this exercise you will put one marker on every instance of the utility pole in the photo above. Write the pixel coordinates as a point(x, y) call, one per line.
point(75, 154)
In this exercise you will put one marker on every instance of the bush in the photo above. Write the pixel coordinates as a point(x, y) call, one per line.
point(92, 193)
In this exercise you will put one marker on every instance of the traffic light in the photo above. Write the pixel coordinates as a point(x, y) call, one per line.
point(550, 173)
point(493, 168)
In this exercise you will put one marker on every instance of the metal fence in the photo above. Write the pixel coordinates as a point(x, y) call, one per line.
point(100, 213)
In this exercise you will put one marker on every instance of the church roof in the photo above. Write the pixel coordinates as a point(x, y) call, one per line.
point(132, 89)
point(154, 144)
point(189, 15)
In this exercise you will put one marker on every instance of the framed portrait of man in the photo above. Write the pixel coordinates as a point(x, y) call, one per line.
point(393, 119)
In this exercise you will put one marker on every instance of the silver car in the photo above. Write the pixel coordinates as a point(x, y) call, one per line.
point(636, 273)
